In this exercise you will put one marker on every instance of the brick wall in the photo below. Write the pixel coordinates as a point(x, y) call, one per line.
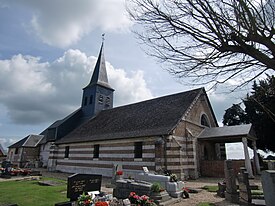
point(81, 160)
point(215, 168)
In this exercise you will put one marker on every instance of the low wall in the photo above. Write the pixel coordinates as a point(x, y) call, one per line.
point(215, 168)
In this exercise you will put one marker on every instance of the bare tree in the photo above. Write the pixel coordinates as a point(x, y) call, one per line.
point(211, 41)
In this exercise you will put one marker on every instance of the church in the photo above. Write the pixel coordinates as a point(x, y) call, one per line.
point(177, 132)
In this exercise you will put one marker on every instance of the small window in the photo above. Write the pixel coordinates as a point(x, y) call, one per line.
point(96, 151)
point(204, 121)
point(91, 99)
point(100, 99)
point(67, 151)
point(85, 101)
point(138, 149)
point(107, 101)
point(16, 151)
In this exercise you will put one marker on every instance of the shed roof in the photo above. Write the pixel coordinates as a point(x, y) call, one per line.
point(153, 117)
point(228, 133)
point(31, 140)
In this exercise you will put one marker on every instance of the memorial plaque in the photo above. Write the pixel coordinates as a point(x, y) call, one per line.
point(145, 169)
point(79, 183)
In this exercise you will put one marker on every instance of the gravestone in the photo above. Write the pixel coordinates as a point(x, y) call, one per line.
point(268, 182)
point(6, 173)
point(244, 188)
point(221, 189)
point(82, 183)
point(173, 188)
point(231, 193)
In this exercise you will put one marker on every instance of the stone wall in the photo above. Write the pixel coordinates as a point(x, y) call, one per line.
point(14, 158)
point(81, 160)
point(199, 108)
point(44, 153)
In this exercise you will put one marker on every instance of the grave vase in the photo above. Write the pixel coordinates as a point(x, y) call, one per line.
point(118, 177)
point(155, 196)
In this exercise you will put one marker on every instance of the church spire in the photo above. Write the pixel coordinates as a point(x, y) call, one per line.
point(99, 76)
point(98, 94)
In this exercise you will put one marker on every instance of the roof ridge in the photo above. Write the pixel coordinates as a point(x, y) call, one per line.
point(155, 98)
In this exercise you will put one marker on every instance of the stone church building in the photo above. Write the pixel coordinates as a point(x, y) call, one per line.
point(178, 132)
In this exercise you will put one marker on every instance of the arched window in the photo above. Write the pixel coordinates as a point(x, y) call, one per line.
point(204, 121)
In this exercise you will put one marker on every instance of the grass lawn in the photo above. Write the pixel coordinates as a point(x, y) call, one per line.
point(30, 193)
point(211, 188)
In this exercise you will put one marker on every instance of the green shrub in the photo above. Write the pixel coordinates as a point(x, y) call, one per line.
point(211, 188)
point(156, 187)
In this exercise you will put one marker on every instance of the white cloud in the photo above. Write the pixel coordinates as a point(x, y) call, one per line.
point(126, 86)
point(36, 92)
point(64, 22)
point(5, 142)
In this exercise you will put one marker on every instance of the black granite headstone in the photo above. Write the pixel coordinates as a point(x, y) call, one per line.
point(79, 183)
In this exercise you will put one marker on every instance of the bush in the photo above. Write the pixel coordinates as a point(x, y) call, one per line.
point(156, 187)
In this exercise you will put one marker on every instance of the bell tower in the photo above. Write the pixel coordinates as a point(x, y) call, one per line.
point(98, 94)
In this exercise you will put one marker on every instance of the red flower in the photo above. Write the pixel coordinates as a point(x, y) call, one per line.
point(101, 204)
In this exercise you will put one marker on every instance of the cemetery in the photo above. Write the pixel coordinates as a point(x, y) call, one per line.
point(151, 189)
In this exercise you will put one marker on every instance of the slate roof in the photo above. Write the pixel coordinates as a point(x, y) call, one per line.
point(228, 133)
point(31, 140)
point(99, 76)
point(62, 127)
point(19, 143)
point(153, 117)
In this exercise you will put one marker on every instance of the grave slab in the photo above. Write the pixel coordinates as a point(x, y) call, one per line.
point(268, 182)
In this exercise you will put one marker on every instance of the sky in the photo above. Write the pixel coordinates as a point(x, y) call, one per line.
point(48, 51)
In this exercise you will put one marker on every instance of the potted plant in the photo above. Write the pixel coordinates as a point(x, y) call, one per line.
point(156, 187)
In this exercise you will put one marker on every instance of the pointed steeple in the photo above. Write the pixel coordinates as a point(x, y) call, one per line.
point(98, 94)
point(99, 76)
